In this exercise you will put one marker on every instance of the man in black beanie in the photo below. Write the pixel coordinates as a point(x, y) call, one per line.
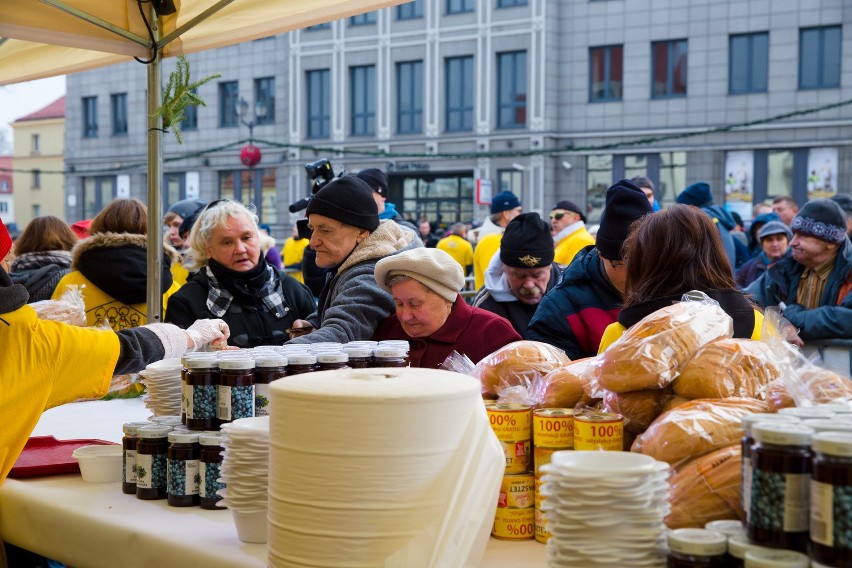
point(811, 285)
point(349, 240)
point(378, 182)
point(574, 315)
point(521, 272)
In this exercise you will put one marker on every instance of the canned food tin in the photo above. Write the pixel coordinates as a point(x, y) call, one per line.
point(514, 524)
point(517, 491)
point(511, 424)
point(489, 402)
point(542, 456)
point(541, 533)
point(599, 431)
point(553, 428)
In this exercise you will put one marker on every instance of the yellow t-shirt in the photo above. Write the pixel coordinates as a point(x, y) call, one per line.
point(568, 247)
point(482, 254)
point(293, 253)
point(46, 364)
point(458, 248)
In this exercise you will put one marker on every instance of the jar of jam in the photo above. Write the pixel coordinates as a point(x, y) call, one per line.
point(299, 363)
point(831, 499)
point(359, 357)
point(332, 361)
point(780, 485)
point(768, 558)
point(738, 545)
point(128, 443)
point(236, 389)
point(210, 469)
point(267, 368)
point(182, 478)
point(390, 357)
point(747, 443)
point(202, 382)
point(694, 548)
point(151, 455)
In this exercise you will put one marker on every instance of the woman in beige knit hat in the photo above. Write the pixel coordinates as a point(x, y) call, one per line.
point(430, 313)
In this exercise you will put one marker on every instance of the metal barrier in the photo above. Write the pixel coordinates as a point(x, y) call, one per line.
point(836, 354)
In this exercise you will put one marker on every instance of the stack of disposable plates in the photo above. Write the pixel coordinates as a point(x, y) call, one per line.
point(163, 388)
point(605, 509)
point(245, 471)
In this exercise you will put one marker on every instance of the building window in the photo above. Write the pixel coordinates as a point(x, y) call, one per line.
point(409, 97)
point(36, 144)
point(672, 177)
point(90, 117)
point(318, 103)
point(362, 81)
point(668, 68)
point(97, 192)
point(748, 63)
point(510, 180)
point(118, 108)
point(779, 173)
point(512, 89)
point(264, 100)
point(4, 186)
point(460, 6)
point(324, 26)
point(599, 174)
point(4, 207)
point(36, 210)
point(819, 58)
point(255, 186)
point(458, 78)
point(190, 122)
point(36, 179)
point(606, 68)
point(363, 19)
point(228, 97)
point(410, 10)
point(510, 3)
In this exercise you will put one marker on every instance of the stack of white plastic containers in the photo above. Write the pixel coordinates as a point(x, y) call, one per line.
point(245, 472)
point(605, 509)
point(387, 467)
point(162, 387)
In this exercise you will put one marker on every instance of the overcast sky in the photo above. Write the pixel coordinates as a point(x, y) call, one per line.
point(21, 99)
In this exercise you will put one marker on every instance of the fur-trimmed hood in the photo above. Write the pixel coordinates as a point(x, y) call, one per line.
point(115, 240)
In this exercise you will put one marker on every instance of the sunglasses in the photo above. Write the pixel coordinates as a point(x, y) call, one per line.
point(557, 215)
point(251, 206)
point(612, 263)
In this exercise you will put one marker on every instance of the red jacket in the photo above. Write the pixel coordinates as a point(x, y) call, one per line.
point(470, 331)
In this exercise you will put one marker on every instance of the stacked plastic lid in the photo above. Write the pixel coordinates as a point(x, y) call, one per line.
point(245, 472)
point(162, 387)
point(605, 509)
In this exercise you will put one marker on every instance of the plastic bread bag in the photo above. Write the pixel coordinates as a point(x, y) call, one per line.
point(639, 408)
point(569, 386)
point(695, 428)
point(707, 488)
point(517, 364)
point(70, 308)
point(649, 354)
point(728, 367)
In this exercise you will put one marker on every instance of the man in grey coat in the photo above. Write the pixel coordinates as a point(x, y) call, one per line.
point(349, 240)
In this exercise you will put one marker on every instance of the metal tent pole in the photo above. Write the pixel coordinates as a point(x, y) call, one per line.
point(155, 179)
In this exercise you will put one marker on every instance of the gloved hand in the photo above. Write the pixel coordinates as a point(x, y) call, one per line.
point(204, 331)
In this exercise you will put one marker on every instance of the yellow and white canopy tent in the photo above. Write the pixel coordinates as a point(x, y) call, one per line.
point(44, 38)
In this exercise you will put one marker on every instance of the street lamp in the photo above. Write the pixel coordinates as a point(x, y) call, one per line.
point(250, 154)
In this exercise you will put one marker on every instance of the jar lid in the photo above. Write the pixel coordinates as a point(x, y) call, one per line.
point(211, 438)
point(203, 361)
point(396, 343)
point(362, 343)
point(782, 433)
point(774, 558)
point(154, 431)
point(357, 351)
point(833, 443)
point(332, 358)
point(130, 428)
point(805, 412)
point(837, 407)
point(828, 425)
point(739, 544)
point(231, 363)
point(749, 419)
point(698, 542)
point(167, 420)
point(727, 527)
point(183, 437)
point(390, 353)
point(302, 359)
point(270, 360)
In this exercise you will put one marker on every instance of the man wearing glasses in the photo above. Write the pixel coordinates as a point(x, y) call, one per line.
point(568, 226)
point(575, 313)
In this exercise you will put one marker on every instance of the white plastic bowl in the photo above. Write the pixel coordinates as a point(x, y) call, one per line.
point(99, 464)
point(251, 527)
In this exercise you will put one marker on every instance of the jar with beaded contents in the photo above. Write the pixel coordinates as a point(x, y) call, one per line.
point(267, 368)
point(182, 479)
point(359, 357)
point(332, 361)
point(697, 548)
point(236, 389)
point(202, 383)
point(298, 363)
point(210, 469)
point(780, 485)
point(390, 357)
point(831, 499)
point(746, 445)
point(151, 455)
point(128, 444)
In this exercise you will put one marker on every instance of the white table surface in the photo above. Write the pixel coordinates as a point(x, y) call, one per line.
point(94, 525)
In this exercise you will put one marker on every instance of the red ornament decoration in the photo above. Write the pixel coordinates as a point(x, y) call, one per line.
point(250, 155)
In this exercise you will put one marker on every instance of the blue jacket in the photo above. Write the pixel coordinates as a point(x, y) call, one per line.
point(751, 270)
point(724, 223)
point(833, 319)
point(575, 313)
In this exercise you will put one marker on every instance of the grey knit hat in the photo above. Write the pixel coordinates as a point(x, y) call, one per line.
point(432, 267)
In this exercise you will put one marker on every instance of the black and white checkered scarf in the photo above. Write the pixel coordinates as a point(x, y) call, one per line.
point(219, 298)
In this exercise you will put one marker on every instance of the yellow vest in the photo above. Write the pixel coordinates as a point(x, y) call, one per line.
point(46, 364)
point(100, 306)
point(568, 247)
point(458, 248)
point(179, 273)
point(293, 253)
point(482, 254)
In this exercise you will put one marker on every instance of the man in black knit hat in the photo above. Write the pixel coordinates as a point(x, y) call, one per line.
point(589, 295)
point(812, 284)
point(521, 272)
point(349, 240)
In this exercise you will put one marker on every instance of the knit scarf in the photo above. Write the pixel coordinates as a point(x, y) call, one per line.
point(260, 281)
point(30, 260)
point(12, 296)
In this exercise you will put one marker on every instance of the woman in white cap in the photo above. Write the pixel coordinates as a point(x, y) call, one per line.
point(430, 313)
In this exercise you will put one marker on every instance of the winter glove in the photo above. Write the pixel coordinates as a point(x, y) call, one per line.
point(204, 331)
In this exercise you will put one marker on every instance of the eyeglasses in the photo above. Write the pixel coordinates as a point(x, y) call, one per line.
point(612, 263)
point(557, 215)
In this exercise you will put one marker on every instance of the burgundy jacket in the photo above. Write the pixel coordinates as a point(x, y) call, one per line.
point(470, 331)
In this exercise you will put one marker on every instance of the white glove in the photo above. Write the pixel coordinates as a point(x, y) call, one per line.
point(206, 331)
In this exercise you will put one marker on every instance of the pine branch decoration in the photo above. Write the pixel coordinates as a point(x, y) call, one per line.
point(178, 95)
